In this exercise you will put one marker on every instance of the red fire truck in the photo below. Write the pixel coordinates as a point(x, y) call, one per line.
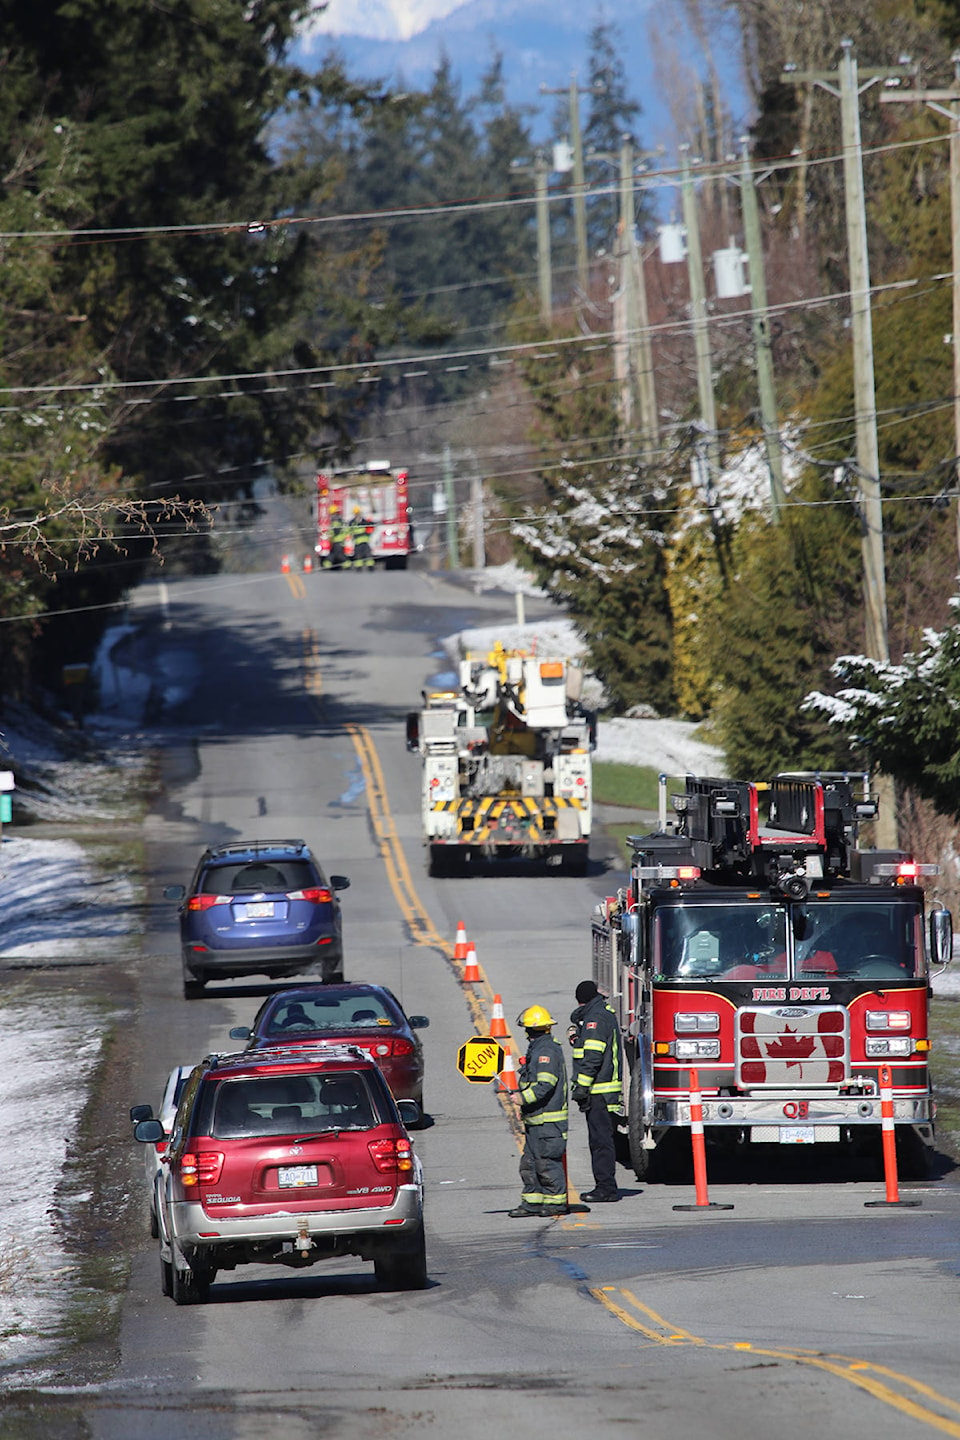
point(758, 944)
point(381, 496)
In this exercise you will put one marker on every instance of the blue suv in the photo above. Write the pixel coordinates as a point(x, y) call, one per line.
point(259, 907)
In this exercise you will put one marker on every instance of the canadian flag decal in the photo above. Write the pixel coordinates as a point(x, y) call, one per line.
point(793, 1047)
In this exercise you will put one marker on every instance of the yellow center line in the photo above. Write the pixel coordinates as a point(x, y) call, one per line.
point(297, 588)
point(312, 678)
point(422, 928)
point(862, 1373)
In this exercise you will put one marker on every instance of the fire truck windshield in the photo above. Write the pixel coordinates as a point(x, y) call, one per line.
point(826, 939)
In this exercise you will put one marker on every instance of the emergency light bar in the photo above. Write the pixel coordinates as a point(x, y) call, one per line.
point(667, 872)
point(906, 870)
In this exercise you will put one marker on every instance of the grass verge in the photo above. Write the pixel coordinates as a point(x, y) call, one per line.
point(945, 1070)
point(633, 786)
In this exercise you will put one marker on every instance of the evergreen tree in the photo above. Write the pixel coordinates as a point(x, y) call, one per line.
point(612, 115)
point(904, 719)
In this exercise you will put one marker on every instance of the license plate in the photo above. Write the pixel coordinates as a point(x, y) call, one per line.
point(290, 1177)
point(260, 910)
point(797, 1135)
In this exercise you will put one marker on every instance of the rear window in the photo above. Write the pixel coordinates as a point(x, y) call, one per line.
point(291, 1105)
point(257, 877)
point(329, 1012)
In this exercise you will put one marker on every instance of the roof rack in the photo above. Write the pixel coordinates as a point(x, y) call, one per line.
point(255, 847)
point(283, 1054)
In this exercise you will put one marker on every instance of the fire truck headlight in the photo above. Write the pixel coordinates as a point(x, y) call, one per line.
point(896, 1045)
point(888, 1019)
point(697, 1049)
point(706, 1021)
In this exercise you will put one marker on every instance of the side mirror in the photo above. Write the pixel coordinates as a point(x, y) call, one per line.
point(418, 1022)
point(339, 882)
point(241, 1032)
point(141, 1112)
point(941, 937)
point(148, 1132)
point(410, 1113)
point(174, 892)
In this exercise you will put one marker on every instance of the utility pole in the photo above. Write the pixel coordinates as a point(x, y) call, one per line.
point(541, 181)
point(640, 349)
point(844, 84)
point(479, 541)
point(632, 350)
point(453, 549)
point(698, 315)
point(760, 320)
point(579, 178)
point(947, 102)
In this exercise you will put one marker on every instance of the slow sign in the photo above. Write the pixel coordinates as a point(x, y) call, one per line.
point(480, 1059)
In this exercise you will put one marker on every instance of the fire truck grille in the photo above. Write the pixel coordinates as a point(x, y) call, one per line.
point(792, 1045)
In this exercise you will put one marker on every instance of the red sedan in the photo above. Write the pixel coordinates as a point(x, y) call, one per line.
point(368, 1016)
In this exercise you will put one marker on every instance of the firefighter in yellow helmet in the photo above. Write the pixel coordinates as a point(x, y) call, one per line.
point(361, 528)
point(542, 1096)
point(339, 534)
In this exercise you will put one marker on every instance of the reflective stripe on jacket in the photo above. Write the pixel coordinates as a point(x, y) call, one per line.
point(542, 1082)
point(598, 1050)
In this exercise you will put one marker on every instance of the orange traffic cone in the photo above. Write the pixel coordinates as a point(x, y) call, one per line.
point(508, 1075)
point(285, 565)
point(471, 970)
point(307, 563)
point(460, 949)
point(498, 1025)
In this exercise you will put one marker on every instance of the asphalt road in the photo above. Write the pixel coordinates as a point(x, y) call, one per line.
point(279, 711)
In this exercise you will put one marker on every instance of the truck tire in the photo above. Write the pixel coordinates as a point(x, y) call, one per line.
point(636, 1129)
point(575, 861)
point(439, 861)
point(190, 1286)
point(914, 1158)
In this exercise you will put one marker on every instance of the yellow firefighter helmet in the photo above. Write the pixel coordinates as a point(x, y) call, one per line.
point(535, 1017)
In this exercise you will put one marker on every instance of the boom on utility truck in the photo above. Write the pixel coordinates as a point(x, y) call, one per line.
point(506, 763)
point(757, 943)
point(381, 495)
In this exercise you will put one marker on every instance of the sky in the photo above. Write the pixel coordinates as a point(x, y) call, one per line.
point(543, 43)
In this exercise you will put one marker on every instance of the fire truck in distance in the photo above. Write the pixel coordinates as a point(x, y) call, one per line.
point(506, 763)
point(756, 943)
point(381, 495)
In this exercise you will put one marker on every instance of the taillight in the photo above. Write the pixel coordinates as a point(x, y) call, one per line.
point(314, 896)
point(403, 1047)
point(202, 1168)
point(207, 902)
point(390, 1155)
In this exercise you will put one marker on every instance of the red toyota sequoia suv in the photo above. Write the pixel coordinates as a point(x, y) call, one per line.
point(286, 1158)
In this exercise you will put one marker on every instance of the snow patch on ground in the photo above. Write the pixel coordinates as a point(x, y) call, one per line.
point(40, 1106)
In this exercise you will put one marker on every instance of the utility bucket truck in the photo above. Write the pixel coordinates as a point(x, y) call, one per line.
point(757, 943)
point(506, 763)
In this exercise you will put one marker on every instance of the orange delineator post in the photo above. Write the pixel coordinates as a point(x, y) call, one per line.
point(498, 1023)
point(471, 970)
point(699, 1151)
point(889, 1139)
point(699, 1144)
point(460, 948)
point(888, 1134)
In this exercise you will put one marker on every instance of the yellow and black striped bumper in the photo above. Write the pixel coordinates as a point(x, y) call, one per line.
point(496, 820)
